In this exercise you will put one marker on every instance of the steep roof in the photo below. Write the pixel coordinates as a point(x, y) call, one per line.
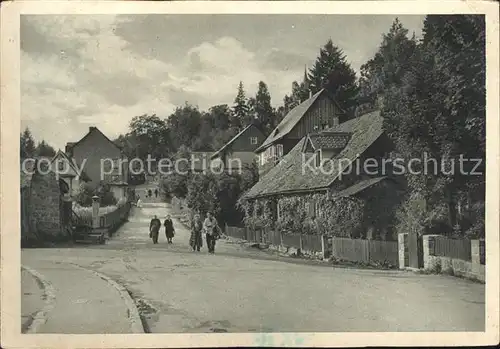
point(83, 175)
point(232, 140)
point(290, 120)
point(70, 145)
point(289, 175)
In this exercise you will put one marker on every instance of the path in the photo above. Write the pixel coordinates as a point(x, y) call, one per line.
point(179, 290)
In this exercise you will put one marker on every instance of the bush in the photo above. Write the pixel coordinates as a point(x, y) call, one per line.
point(103, 191)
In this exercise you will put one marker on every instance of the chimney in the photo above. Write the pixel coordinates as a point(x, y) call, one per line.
point(92, 128)
point(310, 93)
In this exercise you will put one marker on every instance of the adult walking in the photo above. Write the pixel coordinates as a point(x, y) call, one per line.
point(139, 202)
point(156, 193)
point(154, 229)
point(212, 232)
point(169, 229)
point(196, 240)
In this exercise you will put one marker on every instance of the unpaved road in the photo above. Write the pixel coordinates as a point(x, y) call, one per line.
point(237, 290)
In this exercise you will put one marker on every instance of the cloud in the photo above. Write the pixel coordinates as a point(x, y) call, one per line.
point(102, 70)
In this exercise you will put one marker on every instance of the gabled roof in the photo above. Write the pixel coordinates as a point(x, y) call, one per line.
point(70, 145)
point(290, 120)
point(329, 140)
point(231, 141)
point(289, 174)
point(83, 175)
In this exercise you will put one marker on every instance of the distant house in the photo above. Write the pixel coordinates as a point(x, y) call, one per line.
point(95, 150)
point(66, 169)
point(42, 202)
point(315, 114)
point(240, 149)
point(318, 165)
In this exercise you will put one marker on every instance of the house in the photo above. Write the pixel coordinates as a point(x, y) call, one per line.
point(94, 151)
point(323, 164)
point(239, 150)
point(43, 198)
point(319, 112)
point(66, 169)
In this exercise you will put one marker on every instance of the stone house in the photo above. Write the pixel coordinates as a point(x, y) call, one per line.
point(239, 150)
point(324, 166)
point(42, 200)
point(66, 169)
point(96, 150)
point(319, 112)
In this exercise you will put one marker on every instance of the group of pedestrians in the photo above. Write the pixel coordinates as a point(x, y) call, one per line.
point(209, 227)
point(154, 229)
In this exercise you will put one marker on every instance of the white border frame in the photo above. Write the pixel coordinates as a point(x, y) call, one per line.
point(9, 176)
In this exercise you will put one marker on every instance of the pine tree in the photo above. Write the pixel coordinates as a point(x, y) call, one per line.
point(27, 148)
point(332, 72)
point(240, 108)
point(263, 109)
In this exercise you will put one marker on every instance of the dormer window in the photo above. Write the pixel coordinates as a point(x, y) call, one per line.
point(318, 157)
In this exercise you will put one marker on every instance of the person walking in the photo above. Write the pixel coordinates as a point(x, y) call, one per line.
point(156, 193)
point(150, 193)
point(211, 230)
point(169, 229)
point(139, 202)
point(196, 240)
point(154, 229)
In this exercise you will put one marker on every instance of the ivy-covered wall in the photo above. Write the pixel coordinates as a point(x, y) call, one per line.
point(367, 215)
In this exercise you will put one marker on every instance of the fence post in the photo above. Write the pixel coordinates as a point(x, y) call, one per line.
point(323, 246)
point(301, 248)
point(428, 247)
point(402, 253)
point(95, 212)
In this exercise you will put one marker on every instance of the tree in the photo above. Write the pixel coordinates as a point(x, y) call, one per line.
point(332, 72)
point(240, 107)
point(184, 125)
point(221, 115)
point(393, 61)
point(27, 144)
point(151, 137)
point(437, 106)
point(44, 150)
point(262, 108)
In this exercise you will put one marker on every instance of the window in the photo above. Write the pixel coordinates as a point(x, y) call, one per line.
point(318, 158)
point(279, 150)
point(60, 165)
point(253, 140)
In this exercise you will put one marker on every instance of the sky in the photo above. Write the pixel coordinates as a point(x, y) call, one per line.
point(102, 70)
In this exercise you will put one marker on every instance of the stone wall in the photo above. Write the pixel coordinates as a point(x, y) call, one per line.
point(44, 205)
point(453, 266)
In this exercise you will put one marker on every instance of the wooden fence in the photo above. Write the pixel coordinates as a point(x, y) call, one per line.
point(115, 218)
point(452, 248)
point(366, 251)
point(309, 243)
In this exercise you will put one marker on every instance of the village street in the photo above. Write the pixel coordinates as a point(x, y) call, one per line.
point(238, 289)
